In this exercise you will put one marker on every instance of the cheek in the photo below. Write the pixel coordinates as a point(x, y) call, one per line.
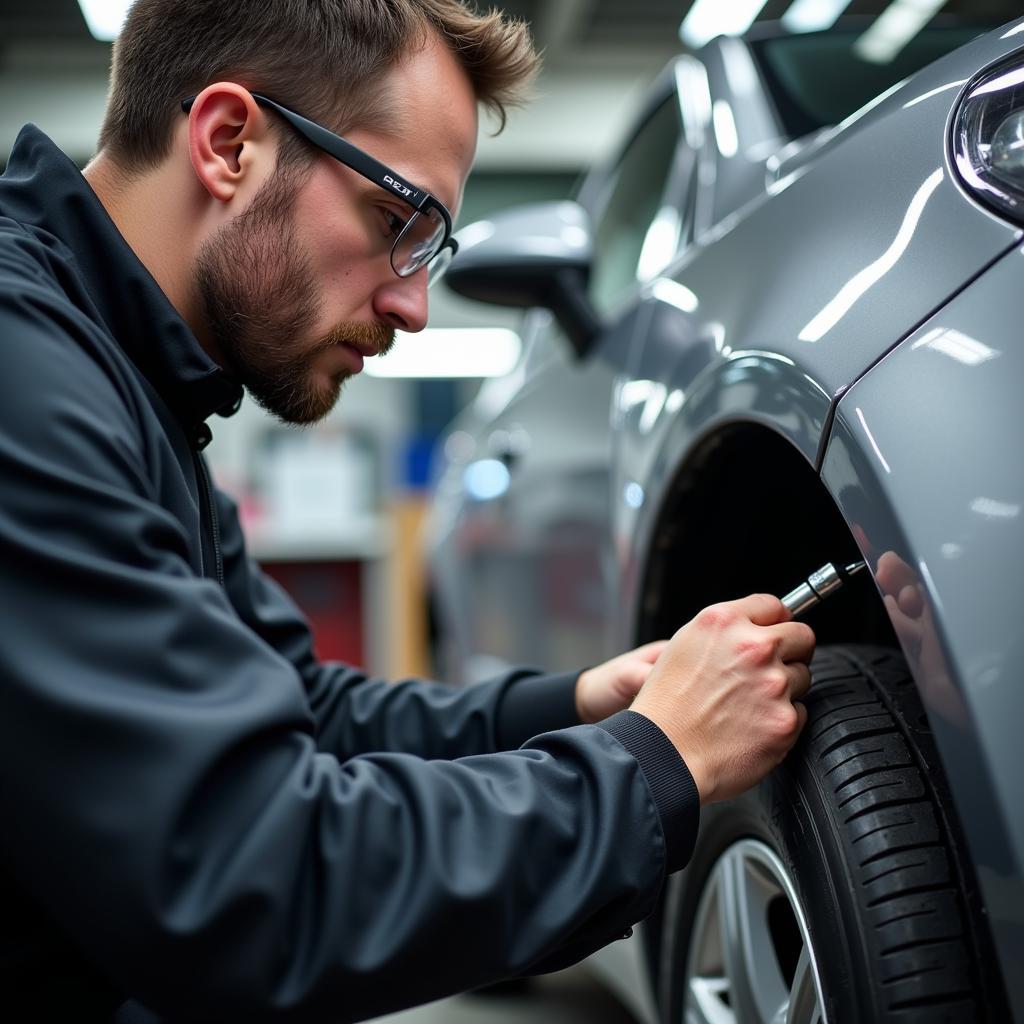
point(345, 258)
point(346, 281)
point(337, 251)
point(333, 222)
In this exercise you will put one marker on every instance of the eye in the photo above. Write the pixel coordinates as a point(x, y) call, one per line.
point(393, 221)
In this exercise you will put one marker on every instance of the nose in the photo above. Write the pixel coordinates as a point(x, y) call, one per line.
point(402, 302)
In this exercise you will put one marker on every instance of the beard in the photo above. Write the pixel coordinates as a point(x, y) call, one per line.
point(259, 295)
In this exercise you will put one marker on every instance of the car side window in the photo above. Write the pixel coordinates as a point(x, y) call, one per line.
point(628, 222)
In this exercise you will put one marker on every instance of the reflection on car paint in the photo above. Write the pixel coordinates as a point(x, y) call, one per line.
point(660, 243)
point(726, 137)
point(858, 285)
point(957, 345)
point(871, 440)
point(990, 508)
point(674, 293)
point(934, 92)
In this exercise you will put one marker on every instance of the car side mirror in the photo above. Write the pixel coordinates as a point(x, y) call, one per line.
point(536, 255)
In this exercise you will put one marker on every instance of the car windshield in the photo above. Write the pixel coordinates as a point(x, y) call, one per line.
point(818, 78)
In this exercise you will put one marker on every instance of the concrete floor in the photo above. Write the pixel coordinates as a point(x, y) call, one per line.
point(568, 997)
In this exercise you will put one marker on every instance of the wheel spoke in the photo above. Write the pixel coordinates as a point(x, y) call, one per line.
point(706, 1002)
point(707, 996)
point(756, 981)
point(803, 999)
point(741, 936)
point(732, 926)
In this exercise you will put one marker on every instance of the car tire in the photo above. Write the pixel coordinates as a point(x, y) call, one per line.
point(831, 891)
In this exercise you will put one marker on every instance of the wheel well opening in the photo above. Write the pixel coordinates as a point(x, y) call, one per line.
point(749, 514)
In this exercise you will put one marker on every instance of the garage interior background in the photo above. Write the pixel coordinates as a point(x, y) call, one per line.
point(334, 511)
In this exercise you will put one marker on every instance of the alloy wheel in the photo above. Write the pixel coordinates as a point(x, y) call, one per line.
point(750, 959)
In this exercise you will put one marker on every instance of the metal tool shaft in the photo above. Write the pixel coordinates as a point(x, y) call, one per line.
point(819, 585)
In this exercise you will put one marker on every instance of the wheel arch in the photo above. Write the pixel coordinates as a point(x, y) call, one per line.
point(747, 513)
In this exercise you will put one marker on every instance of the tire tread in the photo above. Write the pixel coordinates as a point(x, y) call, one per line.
point(866, 764)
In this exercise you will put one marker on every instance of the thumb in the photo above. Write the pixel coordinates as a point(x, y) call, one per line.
point(637, 675)
point(651, 652)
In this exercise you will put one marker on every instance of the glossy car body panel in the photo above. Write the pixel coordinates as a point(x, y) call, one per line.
point(950, 398)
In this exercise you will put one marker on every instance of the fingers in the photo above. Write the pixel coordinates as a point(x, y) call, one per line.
point(727, 692)
point(635, 675)
point(799, 677)
point(796, 641)
point(801, 714)
point(762, 609)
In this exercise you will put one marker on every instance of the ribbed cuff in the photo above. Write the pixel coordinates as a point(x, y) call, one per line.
point(671, 784)
point(536, 704)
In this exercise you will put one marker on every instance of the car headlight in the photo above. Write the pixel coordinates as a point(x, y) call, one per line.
point(988, 138)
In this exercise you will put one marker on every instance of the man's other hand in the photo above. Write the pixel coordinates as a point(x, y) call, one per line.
point(726, 691)
point(611, 686)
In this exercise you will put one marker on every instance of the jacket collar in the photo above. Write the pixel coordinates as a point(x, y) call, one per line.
point(43, 188)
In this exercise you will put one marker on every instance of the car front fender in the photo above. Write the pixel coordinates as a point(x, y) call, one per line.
point(924, 462)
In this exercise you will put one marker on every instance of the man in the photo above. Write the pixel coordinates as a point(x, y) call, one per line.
point(198, 815)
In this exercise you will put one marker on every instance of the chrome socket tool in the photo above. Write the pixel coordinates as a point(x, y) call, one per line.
point(819, 585)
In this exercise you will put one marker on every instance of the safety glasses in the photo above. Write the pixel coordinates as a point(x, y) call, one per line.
point(425, 240)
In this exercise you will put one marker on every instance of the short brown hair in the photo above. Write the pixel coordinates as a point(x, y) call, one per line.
point(324, 58)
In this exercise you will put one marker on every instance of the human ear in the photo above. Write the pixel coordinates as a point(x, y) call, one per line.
point(228, 139)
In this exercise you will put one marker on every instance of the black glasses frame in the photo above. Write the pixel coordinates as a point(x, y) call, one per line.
point(370, 168)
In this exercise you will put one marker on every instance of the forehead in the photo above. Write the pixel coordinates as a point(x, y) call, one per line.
point(429, 135)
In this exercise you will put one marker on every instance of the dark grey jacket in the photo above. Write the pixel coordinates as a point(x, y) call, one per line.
point(196, 813)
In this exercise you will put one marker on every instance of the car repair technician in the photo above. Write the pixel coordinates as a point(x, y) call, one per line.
point(198, 815)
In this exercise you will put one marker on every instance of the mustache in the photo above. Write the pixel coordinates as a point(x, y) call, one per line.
point(375, 335)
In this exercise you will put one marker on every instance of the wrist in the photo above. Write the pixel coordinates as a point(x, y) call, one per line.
point(686, 747)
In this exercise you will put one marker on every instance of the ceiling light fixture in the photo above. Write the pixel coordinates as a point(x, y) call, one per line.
point(710, 18)
point(104, 17)
point(449, 352)
point(813, 15)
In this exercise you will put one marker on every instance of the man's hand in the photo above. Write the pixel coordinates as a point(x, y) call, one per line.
point(726, 692)
point(611, 686)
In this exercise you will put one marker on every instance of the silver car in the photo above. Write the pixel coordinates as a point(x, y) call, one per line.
point(782, 329)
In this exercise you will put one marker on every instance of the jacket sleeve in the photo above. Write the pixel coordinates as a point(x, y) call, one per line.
point(357, 714)
point(165, 798)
